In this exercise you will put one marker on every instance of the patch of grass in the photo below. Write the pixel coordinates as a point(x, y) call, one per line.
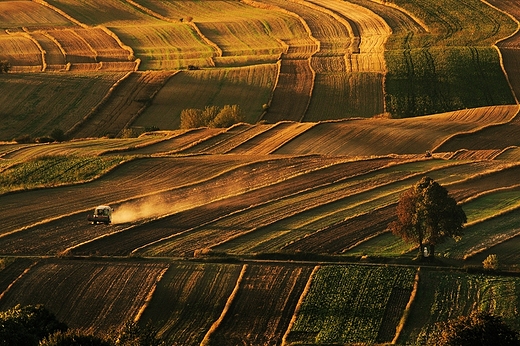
point(50, 171)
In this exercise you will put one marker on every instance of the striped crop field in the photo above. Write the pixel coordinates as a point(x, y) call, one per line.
point(249, 87)
point(31, 106)
point(274, 228)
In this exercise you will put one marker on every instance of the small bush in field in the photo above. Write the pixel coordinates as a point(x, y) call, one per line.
point(491, 262)
point(211, 116)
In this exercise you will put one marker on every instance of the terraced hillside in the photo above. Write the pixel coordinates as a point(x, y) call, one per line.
point(273, 231)
point(278, 60)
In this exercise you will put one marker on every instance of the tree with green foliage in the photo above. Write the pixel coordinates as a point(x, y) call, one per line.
point(428, 215)
point(211, 116)
point(26, 326)
point(477, 329)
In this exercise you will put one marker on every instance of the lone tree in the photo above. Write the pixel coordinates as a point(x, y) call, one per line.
point(427, 215)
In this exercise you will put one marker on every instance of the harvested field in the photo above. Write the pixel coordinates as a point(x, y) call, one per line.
point(295, 83)
point(249, 87)
point(31, 106)
point(17, 14)
point(188, 299)
point(383, 136)
point(21, 51)
point(263, 306)
point(123, 105)
point(88, 295)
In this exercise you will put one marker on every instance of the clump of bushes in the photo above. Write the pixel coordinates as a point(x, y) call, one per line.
point(211, 116)
point(5, 66)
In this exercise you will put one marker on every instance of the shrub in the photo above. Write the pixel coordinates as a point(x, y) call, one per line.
point(491, 262)
point(74, 338)
point(58, 135)
point(26, 326)
point(5, 66)
point(23, 139)
point(211, 116)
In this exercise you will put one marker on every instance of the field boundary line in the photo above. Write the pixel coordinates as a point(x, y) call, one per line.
point(407, 309)
point(61, 12)
point(35, 41)
point(152, 13)
point(76, 127)
point(150, 294)
point(299, 304)
point(207, 338)
point(109, 32)
point(17, 279)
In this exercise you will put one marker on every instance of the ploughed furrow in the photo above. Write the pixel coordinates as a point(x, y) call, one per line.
point(179, 140)
point(76, 49)
point(184, 232)
point(228, 140)
point(293, 91)
point(129, 98)
point(268, 141)
point(12, 270)
point(188, 299)
point(54, 58)
point(263, 306)
point(129, 180)
point(106, 47)
point(339, 237)
point(87, 293)
point(316, 210)
point(500, 178)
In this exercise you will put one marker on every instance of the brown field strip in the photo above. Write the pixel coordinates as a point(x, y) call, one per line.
point(88, 295)
point(17, 14)
point(21, 51)
point(127, 101)
point(268, 141)
point(293, 91)
point(226, 141)
point(54, 56)
point(106, 47)
point(262, 309)
point(76, 49)
point(385, 136)
point(245, 190)
point(188, 299)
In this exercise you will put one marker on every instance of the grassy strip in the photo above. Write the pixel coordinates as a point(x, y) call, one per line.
point(50, 171)
point(453, 65)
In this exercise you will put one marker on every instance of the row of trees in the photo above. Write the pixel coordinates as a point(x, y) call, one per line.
point(211, 116)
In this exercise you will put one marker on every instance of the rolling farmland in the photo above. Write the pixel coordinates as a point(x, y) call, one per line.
point(273, 231)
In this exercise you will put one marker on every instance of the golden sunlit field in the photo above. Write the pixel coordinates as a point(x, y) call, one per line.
point(274, 230)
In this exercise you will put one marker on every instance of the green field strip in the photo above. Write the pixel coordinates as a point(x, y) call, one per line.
point(324, 205)
point(482, 235)
point(188, 299)
point(92, 147)
point(54, 171)
point(347, 304)
point(460, 56)
point(444, 295)
point(491, 204)
point(384, 244)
